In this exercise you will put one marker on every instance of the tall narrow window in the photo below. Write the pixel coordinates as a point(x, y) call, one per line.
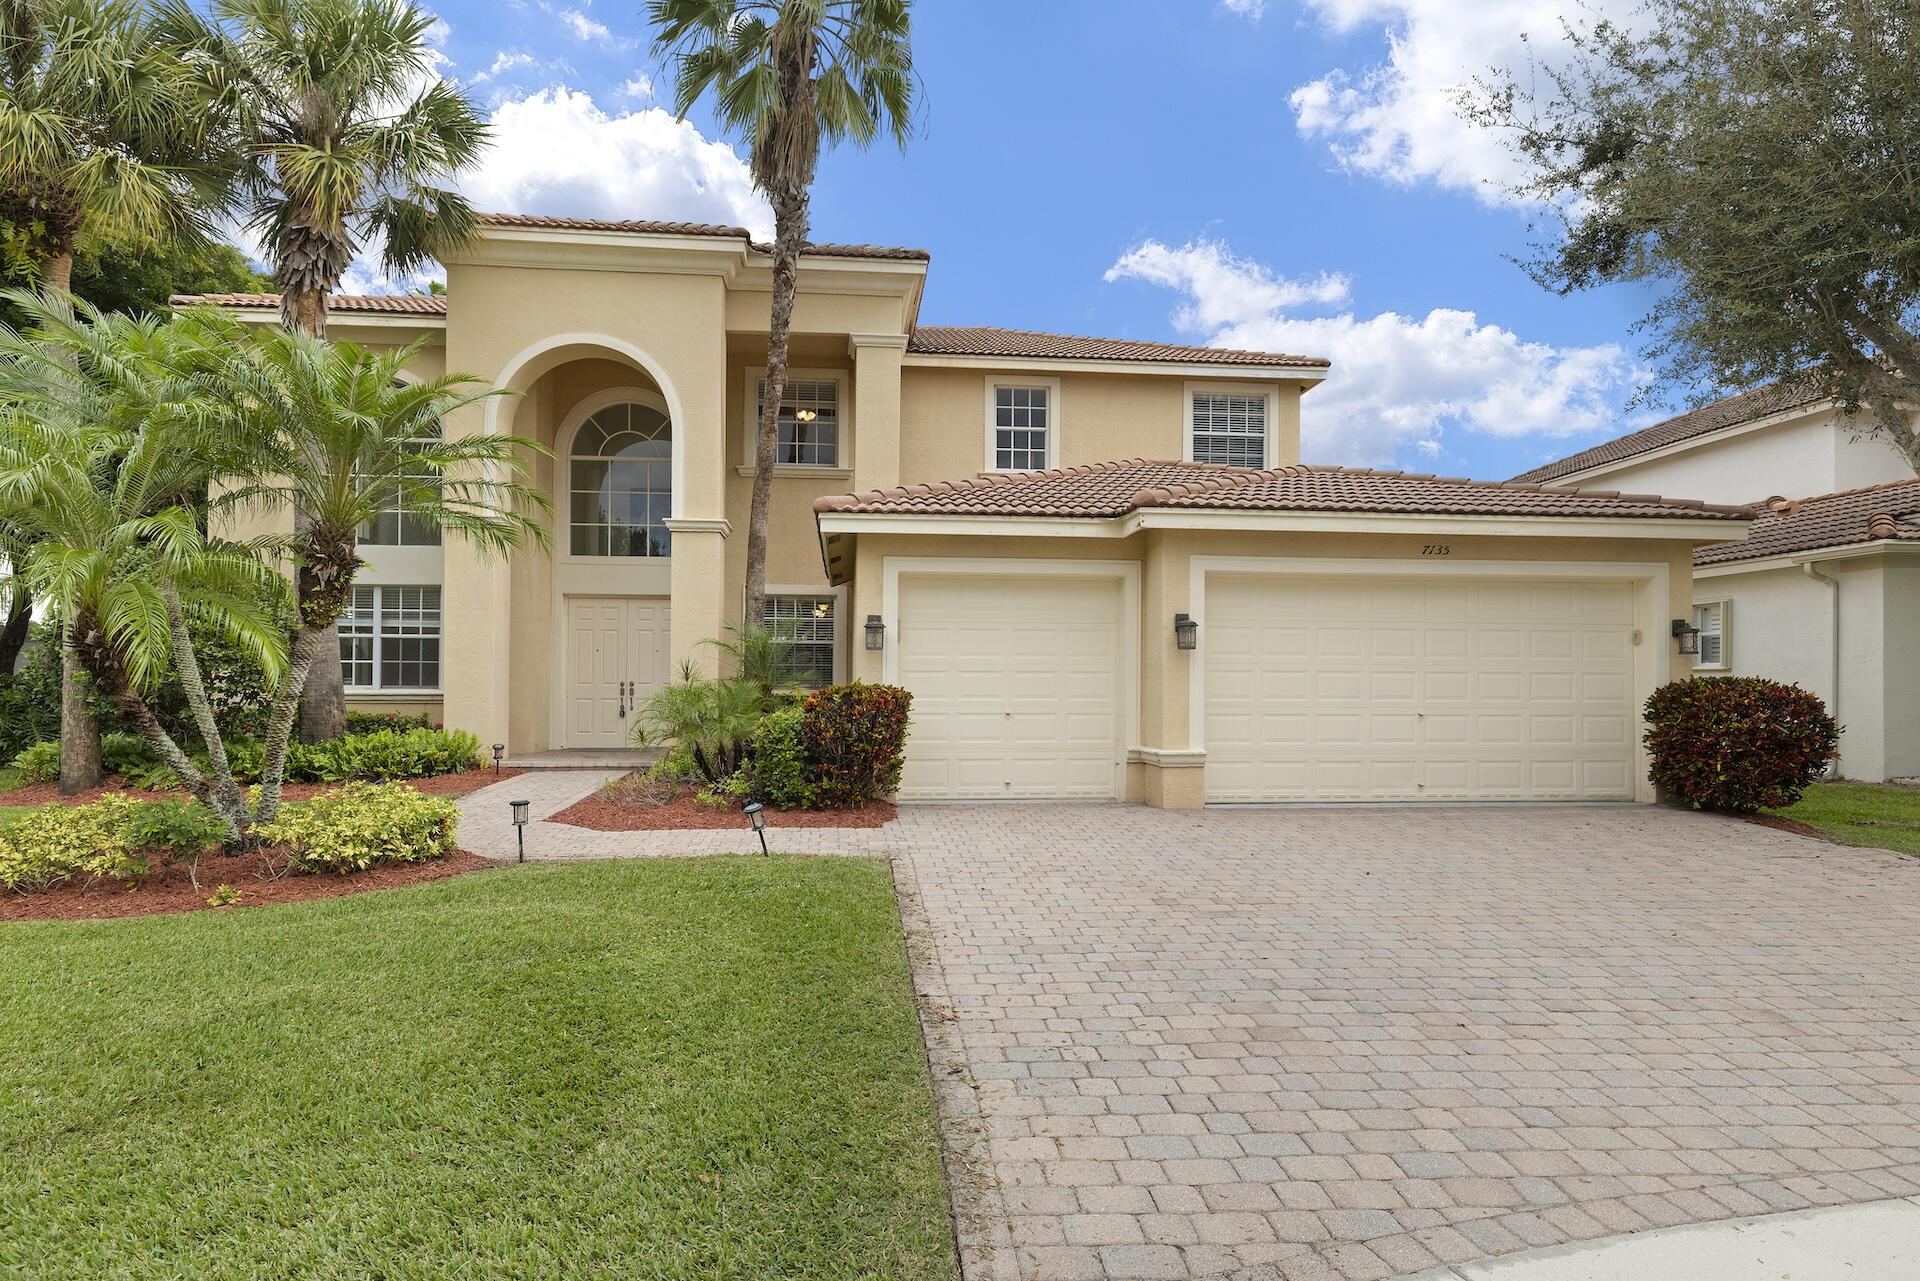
point(1230, 430)
point(1711, 619)
point(621, 474)
point(807, 623)
point(809, 422)
point(390, 638)
point(1021, 418)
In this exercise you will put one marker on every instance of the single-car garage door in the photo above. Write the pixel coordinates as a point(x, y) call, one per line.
point(1345, 688)
point(1016, 687)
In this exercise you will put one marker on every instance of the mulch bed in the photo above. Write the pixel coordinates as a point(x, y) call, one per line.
point(440, 785)
point(1794, 825)
point(169, 887)
point(603, 813)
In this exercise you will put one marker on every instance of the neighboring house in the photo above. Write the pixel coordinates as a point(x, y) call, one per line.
point(948, 514)
point(1825, 591)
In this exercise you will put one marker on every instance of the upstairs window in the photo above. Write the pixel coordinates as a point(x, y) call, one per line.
point(1230, 430)
point(396, 528)
point(1711, 619)
point(1022, 424)
point(807, 623)
point(621, 483)
point(809, 434)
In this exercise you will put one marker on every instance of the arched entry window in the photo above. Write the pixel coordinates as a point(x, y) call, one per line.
point(621, 480)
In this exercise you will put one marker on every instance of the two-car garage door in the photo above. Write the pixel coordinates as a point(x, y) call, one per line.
point(1335, 688)
point(1315, 687)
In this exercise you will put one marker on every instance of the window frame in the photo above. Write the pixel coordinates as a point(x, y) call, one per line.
point(438, 539)
point(1265, 391)
point(575, 422)
point(750, 421)
point(994, 382)
point(378, 635)
point(1723, 609)
point(820, 591)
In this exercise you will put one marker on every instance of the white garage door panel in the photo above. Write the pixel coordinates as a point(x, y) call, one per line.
point(1409, 689)
point(1016, 687)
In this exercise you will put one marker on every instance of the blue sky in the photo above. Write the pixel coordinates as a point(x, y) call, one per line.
point(1279, 175)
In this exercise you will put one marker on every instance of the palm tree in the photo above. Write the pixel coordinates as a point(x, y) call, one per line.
point(345, 132)
point(788, 76)
point(372, 444)
point(114, 431)
point(98, 466)
point(99, 132)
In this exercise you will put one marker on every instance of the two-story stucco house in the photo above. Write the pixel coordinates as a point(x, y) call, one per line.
point(1098, 564)
point(1825, 592)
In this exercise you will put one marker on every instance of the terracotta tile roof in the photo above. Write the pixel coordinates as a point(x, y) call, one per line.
point(389, 304)
point(1774, 398)
point(651, 228)
point(1887, 511)
point(985, 340)
point(1117, 488)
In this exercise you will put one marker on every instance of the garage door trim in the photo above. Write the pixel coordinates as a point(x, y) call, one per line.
point(1125, 572)
point(1652, 661)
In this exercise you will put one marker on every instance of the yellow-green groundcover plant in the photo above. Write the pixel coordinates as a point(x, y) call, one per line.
point(359, 825)
point(55, 843)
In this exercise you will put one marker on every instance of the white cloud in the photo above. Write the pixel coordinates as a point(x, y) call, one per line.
point(1398, 119)
point(557, 152)
point(638, 89)
point(505, 62)
point(1397, 381)
point(1245, 8)
point(586, 28)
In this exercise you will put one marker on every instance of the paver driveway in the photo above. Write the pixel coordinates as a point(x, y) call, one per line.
point(1354, 1043)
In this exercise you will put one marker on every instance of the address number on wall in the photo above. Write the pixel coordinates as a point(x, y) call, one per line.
point(1436, 549)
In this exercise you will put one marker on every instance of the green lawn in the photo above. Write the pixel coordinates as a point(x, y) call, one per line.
point(1862, 814)
point(697, 1068)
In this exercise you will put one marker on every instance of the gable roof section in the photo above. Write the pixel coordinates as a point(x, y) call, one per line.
point(1108, 490)
point(1887, 512)
point(1761, 402)
point(988, 340)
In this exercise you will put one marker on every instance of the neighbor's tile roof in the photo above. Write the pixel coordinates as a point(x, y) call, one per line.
point(985, 340)
point(1774, 398)
point(645, 227)
point(1887, 511)
point(1114, 489)
point(390, 304)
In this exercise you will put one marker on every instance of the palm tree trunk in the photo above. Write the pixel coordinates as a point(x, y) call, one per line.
point(14, 632)
point(307, 642)
point(323, 701)
point(79, 731)
point(790, 212)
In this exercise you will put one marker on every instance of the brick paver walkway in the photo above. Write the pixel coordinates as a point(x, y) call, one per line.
point(1356, 1043)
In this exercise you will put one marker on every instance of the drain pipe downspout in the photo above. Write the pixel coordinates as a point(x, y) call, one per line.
point(1812, 571)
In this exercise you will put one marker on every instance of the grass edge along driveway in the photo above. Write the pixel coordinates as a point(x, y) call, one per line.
point(1885, 815)
point(672, 1068)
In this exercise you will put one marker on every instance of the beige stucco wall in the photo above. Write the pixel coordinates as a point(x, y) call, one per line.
point(1100, 417)
point(1165, 558)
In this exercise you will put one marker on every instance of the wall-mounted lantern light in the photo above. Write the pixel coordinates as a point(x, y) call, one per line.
point(499, 751)
point(876, 633)
point(520, 809)
point(1688, 635)
point(1186, 632)
point(757, 816)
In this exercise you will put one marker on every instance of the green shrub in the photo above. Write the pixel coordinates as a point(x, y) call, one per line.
point(54, 843)
point(39, 763)
point(712, 720)
point(127, 755)
point(1737, 743)
point(778, 773)
point(383, 756)
point(363, 825)
point(855, 738)
point(182, 828)
point(374, 722)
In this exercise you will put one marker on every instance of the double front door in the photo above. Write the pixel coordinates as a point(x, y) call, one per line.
point(617, 649)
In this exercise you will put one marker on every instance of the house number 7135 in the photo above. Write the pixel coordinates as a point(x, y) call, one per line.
point(1436, 549)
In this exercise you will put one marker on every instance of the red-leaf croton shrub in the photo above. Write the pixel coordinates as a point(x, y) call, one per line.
point(854, 737)
point(1738, 743)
